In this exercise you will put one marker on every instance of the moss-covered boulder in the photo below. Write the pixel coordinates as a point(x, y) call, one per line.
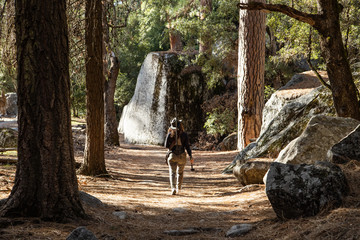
point(168, 85)
point(304, 190)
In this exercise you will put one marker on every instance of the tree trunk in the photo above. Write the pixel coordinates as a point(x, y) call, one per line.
point(111, 123)
point(337, 66)
point(205, 38)
point(94, 160)
point(251, 66)
point(272, 41)
point(45, 181)
point(8, 56)
point(175, 41)
point(111, 72)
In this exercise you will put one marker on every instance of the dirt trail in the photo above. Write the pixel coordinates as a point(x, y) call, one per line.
point(209, 200)
point(139, 186)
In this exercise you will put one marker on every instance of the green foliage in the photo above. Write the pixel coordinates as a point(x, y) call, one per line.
point(268, 91)
point(220, 123)
point(224, 17)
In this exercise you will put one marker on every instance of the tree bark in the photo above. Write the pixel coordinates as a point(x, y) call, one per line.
point(342, 84)
point(111, 72)
point(175, 41)
point(45, 181)
point(327, 23)
point(94, 160)
point(111, 123)
point(251, 67)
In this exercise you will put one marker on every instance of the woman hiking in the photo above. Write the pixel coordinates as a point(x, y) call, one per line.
point(177, 141)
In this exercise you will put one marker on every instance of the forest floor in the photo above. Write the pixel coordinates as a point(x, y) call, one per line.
point(210, 202)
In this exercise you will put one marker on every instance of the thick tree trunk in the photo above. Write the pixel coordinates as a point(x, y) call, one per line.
point(111, 123)
point(94, 160)
point(45, 181)
point(251, 66)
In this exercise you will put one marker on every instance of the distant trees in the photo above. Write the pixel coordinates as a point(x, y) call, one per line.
point(45, 181)
point(111, 72)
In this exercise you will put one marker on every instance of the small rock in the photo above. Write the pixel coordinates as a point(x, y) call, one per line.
point(181, 232)
point(90, 200)
point(238, 230)
point(81, 233)
point(120, 214)
point(179, 210)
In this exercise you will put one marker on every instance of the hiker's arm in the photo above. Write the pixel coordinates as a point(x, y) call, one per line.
point(187, 145)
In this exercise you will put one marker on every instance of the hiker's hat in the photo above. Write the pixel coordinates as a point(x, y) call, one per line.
point(173, 123)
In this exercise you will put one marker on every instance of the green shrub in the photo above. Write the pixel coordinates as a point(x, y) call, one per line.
point(220, 123)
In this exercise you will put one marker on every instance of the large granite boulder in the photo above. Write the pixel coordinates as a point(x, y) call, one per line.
point(299, 85)
point(253, 171)
point(287, 124)
point(347, 149)
point(303, 190)
point(321, 133)
point(167, 86)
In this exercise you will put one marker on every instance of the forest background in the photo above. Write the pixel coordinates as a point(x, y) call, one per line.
point(136, 28)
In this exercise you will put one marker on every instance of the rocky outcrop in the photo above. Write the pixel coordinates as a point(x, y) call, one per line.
point(347, 149)
point(299, 85)
point(321, 133)
point(253, 171)
point(167, 85)
point(287, 124)
point(305, 190)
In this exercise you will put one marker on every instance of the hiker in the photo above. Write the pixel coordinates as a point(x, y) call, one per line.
point(176, 157)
